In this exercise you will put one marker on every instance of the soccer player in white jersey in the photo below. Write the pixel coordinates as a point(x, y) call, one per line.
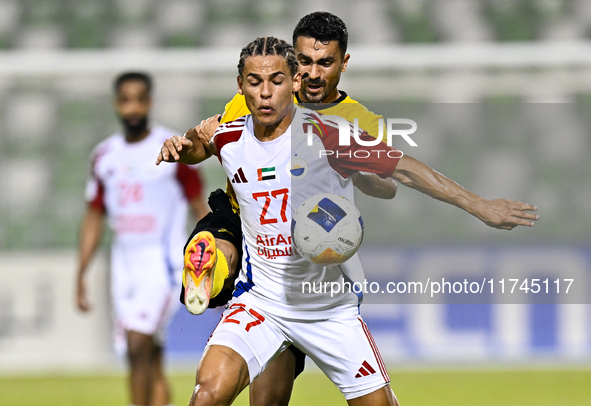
point(323, 60)
point(146, 208)
point(265, 315)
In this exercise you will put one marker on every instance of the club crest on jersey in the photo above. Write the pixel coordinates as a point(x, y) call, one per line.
point(297, 168)
point(266, 173)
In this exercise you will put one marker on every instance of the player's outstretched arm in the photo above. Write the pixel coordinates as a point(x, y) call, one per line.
point(372, 185)
point(182, 149)
point(498, 213)
point(193, 147)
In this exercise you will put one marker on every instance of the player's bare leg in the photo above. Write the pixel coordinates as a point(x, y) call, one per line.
point(221, 376)
point(273, 387)
point(381, 397)
point(160, 390)
point(142, 354)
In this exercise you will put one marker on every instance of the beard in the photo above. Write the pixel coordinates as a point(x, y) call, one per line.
point(317, 97)
point(135, 128)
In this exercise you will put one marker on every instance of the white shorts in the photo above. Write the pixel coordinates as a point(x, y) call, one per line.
point(341, 346)
point(144, 290)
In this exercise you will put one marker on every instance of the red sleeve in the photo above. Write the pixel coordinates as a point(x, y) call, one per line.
point(95, 190)
point(227, 133)
point(190, 181)
point(98, 201)
point(380, 159)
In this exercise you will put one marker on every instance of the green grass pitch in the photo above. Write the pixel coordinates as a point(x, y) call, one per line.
point(461, 387)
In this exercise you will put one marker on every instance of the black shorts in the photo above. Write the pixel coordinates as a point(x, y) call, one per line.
point(224, 224)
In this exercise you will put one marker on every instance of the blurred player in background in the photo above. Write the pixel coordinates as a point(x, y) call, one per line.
point(146, 208)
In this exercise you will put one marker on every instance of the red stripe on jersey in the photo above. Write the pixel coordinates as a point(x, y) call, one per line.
point(347, 159)
point(376, 353)
point(190, 181)
point(234, 124)
point(227, 133)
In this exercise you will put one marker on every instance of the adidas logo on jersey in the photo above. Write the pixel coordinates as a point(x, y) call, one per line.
point(239, 177)
point(365, 370)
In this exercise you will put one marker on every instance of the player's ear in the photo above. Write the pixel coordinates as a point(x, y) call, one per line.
point(239, 80)
point(297, 82)
point(345, 62)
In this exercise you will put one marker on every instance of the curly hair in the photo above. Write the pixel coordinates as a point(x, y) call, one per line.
point(324, 27)
point(263, 46)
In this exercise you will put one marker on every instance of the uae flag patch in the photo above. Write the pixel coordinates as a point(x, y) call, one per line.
point(266, 173)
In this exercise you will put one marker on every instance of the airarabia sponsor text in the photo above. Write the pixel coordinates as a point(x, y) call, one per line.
point(137, 223)
point(272, 247)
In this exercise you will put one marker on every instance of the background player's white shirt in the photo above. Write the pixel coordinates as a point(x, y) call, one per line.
point(268, 189)
point(145, 204)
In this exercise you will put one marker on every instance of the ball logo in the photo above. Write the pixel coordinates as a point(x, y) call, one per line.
point(346, 241)
point(297, 168)
point(326, 214)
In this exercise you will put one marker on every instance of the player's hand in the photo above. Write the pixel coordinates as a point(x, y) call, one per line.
point(81, 298)
point(178, 149)
point(506, 214)
point(207, 128)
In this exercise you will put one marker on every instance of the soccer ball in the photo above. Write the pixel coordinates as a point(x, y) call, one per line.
point(327, 229)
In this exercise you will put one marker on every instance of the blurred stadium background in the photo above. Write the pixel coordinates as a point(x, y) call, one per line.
point(57, 62)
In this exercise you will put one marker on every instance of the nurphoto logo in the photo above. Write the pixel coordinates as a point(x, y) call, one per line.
point(391, 131)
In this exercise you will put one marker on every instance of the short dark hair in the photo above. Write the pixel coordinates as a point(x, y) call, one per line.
point(128, 76)
point(263, 46)
point(324, 27)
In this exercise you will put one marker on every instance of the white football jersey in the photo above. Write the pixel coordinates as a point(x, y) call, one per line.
point(146, 205)
point(271, 179)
